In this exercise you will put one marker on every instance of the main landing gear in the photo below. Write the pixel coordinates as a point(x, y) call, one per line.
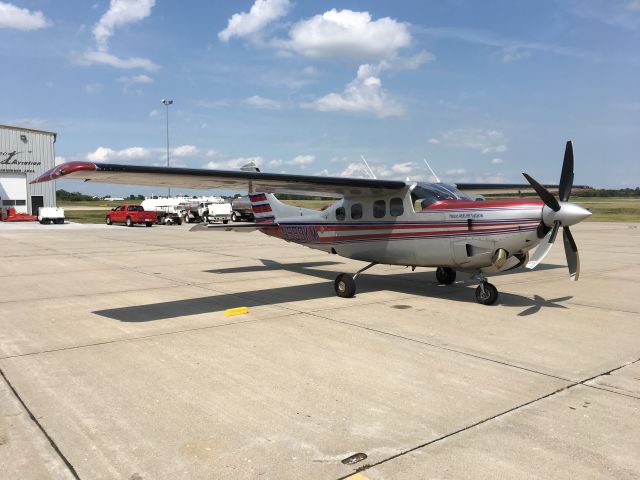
point(345, 284)
point(486, 293)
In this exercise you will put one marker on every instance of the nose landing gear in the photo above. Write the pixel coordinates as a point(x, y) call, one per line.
point(486, 293)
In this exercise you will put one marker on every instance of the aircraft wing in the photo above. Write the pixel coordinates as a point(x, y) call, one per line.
point(202, 179)
point(497, 188)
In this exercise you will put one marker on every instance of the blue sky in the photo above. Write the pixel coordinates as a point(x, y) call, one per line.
point(483, 90)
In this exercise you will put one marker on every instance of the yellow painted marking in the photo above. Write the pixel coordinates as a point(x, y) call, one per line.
point(357, 476)
point(236, 311)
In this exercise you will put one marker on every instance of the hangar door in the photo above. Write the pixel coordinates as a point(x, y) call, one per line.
point(13, 191)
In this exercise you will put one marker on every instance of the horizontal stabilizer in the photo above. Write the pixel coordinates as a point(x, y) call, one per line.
point(228, 227)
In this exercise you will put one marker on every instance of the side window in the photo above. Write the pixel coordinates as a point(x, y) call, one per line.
point(396, 207)
point(131, 208)
point(340, 213)
point(119, 209)
point(379, 208)
point(356, 211)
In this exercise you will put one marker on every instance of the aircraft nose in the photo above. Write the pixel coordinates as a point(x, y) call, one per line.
point(570, 214)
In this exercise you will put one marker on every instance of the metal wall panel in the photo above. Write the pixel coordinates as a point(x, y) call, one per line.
point(23, 150)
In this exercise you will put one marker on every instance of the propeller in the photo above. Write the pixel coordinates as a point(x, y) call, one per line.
point(559, 213)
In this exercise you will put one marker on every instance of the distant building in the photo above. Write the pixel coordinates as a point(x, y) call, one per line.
point(25, 154)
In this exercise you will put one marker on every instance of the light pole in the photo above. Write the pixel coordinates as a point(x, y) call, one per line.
point(166, 103)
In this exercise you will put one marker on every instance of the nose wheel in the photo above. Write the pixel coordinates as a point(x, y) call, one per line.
point(486, 293)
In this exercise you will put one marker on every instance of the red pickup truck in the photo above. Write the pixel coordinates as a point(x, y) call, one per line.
point(130, 215)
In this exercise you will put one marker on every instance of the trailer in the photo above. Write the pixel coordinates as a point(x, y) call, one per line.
point(242, 210)
point(48, 215)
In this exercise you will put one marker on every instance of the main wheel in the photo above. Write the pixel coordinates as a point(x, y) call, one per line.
point(234, 217)
point(345, 285)
point(488, 296)
point(445, 275)
point(109, 221)
point(128, 222)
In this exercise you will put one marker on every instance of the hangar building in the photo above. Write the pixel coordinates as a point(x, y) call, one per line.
point(25, 154)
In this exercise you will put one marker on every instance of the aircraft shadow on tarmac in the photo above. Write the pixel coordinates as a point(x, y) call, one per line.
point(415, 283)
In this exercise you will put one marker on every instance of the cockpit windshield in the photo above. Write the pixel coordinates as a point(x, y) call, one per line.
point(427, 193)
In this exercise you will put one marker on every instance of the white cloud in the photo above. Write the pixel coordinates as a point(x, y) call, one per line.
point(59, 160)
point(496, 161)
point(633, 5)
point(120, 13)
point(403, 168)
point(185, 151)
point(274, 163)
point(456, 171)
point(485, 141)
point(262, 103)
point(211, 153)
point(360, 170)
point(21, 18)
point(261, 14)
point(346, 33)
point(234, 163)
point(134, 80)
point(364, 94)
point(92, 57)
point(302, 160)
point(105, 154)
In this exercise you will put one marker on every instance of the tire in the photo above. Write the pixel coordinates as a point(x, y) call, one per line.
point(489, 296)
point(149, 224)
point(177, 221)
point(445, 275)
point(109, 221)
point(234, 217)
point(128, 222)
point(345, 285)
point(225, 221)
point(59, 221)
point(47, 221)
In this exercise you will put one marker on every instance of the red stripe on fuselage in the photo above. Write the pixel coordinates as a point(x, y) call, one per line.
point(479, 205)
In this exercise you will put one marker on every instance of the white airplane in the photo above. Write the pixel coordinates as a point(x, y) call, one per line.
point(376, 221)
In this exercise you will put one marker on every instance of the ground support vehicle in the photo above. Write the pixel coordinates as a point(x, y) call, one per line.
point(215, 212)
point(130, 215)
point(242, 210)
point(47, 215)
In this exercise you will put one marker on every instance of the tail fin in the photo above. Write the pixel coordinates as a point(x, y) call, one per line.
point(268, 209)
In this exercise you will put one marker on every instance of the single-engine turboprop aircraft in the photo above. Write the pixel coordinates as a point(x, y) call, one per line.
point(413, 224)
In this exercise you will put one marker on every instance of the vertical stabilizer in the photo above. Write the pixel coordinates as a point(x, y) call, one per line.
point(267, 208)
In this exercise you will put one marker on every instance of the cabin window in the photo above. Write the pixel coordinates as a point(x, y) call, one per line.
point(396, 207)
point(379, 208)
point(356, 211)
point(340, 213)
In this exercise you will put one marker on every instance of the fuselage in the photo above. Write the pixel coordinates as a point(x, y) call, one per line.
point(454, 232)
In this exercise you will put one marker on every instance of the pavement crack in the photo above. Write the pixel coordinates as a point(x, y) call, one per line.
point(492, 417)
point(50, 439)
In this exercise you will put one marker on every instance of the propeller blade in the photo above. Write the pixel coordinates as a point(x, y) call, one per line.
point(543, 248)
point(566, 177)
point(571, 251)
point(546, 196)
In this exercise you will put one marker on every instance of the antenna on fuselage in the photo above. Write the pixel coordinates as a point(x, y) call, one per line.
point(373, 175)
point(431, 169)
